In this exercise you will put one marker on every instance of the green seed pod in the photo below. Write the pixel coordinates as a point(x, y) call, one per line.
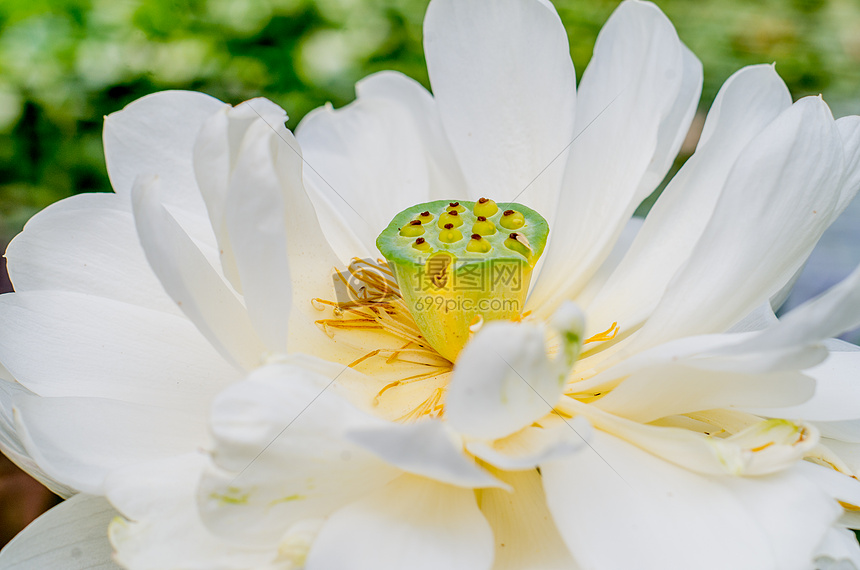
point(463, 280)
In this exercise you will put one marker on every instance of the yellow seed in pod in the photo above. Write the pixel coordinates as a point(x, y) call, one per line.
point(512, 220)
point(450, 234)
point(421, 245)
point(483, 227)
point(412, 229)
point(485, 207)
point(452, 217)
point(478, 244)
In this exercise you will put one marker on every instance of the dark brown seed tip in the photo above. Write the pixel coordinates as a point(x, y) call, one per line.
point(482, 219)
point(509, 213)
point(449, 226)
point(419, 241)
point(425, 214)
point(515, 235)
point(483, 200)
point(454, 204)
point(476, 236)
point(415, 223)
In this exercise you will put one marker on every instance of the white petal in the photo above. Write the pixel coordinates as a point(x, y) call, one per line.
point(284, 415)
point(71, 536)
point(78, 441)
point(668, 517)
point(764, 225)
point(708, 372)
point(88, 244)
point(837, 392)
point(107, 349)
point(257, 226)
point(506, 90)
point(11, 445)
point(759, 319)
point(364, 164)
point(216, 151)
point(164, 529)
point(849, 130)
point(837, 485)
point(531, 446)
point(678, 389)
point(428, 448)
point(411, 523)
point(190, 279)
point(607, 268)
point(503, 381)
point(526, 537)
point(397, 89)
point(828, 315)
point(155, 135)
point(273, 161)
point(762, 448)
point(626, 106)
point(746, 104)
point(838, 551)
point(674, 128)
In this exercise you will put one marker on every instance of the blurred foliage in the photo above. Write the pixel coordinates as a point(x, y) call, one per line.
point(64, 64)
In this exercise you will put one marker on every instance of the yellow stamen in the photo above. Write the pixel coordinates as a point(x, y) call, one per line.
point(608, 334)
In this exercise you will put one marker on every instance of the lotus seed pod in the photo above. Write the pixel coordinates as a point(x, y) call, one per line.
point(486, 208)
point(483, 226)
point(449, 282)
point(512, 220)
point(412, 229)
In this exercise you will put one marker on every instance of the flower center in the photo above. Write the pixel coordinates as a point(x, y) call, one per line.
point(460, 264)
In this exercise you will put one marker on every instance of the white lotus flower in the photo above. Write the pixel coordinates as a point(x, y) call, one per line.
point(178, 363)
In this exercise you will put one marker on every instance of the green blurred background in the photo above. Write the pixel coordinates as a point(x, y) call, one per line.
point(64, 64)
